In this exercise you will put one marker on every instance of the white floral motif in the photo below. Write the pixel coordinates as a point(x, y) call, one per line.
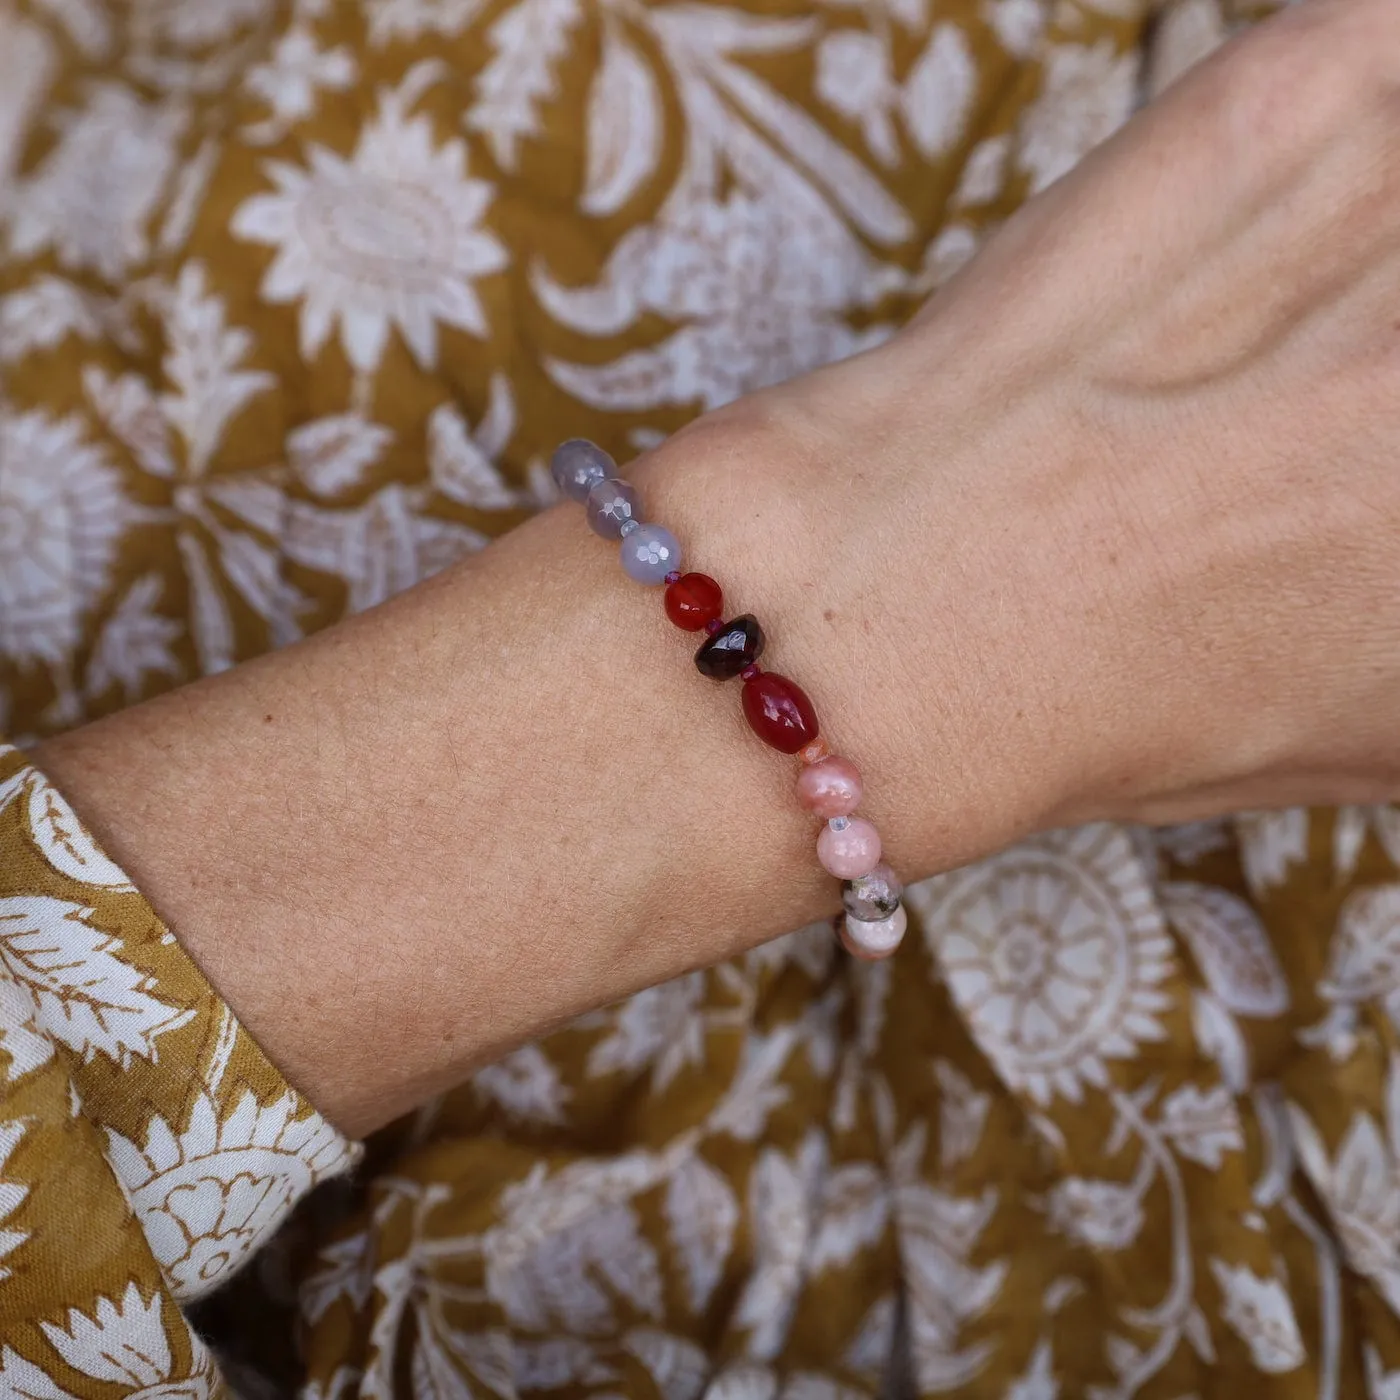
point(526, 1085)
point(701, 1212)
point(12, 1193)
point(663, 1027)
point(287, 81)
point(91, 199)
point(624, 126)
point(61, 980)
point(65, 843)
point(411, 19)
point(560, 1236)
point(332, 454)
point(854, 79)
point(387, 238)
point(62, 512)
point(1202, 1126)
point(760, 286)
point(1363, 961)
point(783, 1199)
point(1088, 94)
point(209, 1197)
point(1361, 1190)
point(1380, 1383)
point(1271, 842)
point(43, 314)
point(1037, 1381)
point(529, 37)
point(984, 175)
point(939, 91)
point(1350, 829)
point(677, 1366)
point(124, 1342)
point(1055, 953)
point(1101, 1214)
point(1230, 944)
point(1262, 1316)
point(133, 642)
point(937, 1233)
point(1260, 1313)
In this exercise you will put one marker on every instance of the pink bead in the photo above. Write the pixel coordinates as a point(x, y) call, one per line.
point(874, 940)
point(852, 852)
point(831, 787)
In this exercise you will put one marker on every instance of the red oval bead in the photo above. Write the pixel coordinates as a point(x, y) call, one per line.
point(693, 600)
point(779, 712)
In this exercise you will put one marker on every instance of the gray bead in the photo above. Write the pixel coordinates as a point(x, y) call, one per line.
point(874, 896)
point(610, 505)
point(650, 553)
point(578, 466)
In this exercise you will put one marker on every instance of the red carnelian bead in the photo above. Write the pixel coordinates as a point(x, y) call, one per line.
point(779, 712)
point(693, 600)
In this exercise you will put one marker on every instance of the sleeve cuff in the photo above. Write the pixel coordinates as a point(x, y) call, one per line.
point(210, 1145)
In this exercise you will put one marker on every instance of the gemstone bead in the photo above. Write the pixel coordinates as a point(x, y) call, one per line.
point(610, 505)
point(649, 553)
point(578, 466)
point(693, 600)
point(874, 938)
point(852, 851)
point(736, 645)
point(813, 752)
point(831, 787)
point(780, 713)
point(872, 897)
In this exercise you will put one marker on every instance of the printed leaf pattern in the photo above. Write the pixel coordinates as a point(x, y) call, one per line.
point(296, 302)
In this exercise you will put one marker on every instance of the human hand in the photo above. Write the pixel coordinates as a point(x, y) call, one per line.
point(1113, 529)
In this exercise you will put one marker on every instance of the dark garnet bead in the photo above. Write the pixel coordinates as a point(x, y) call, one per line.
point(737, 645)
point(779, 712)
point(692, 600)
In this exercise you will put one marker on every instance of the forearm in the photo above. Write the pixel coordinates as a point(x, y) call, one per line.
point(429, 833)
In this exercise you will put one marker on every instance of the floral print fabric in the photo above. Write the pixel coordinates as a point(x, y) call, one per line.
point(295, 298)
point(147, 1148)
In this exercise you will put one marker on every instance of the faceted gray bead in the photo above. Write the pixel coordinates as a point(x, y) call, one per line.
point(874, 896)
point(649, 553)
point(578, 466)
point(611, 504)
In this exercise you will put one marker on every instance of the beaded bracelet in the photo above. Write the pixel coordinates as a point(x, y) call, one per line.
point(776, 709)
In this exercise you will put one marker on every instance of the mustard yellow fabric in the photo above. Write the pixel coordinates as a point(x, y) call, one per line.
point(295, 299)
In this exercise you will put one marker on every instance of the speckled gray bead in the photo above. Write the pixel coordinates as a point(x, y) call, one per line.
point(649, 553)
point(874, 896)
point(578, 466)
point(610, 505)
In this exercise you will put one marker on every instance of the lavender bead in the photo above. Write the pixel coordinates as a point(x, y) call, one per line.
point(578, 466)
point(611, 504)
point(650, 553)
point(872, 897)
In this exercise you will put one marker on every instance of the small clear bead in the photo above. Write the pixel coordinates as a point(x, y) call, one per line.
point(874, 896)
point(650, 553)
point(610, 505)
point(628, 527)
point(578, 466)
point(839, 823)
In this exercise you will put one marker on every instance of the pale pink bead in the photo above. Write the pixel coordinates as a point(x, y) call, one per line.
point(876, 939)
point(831, 787)
point(851, 852)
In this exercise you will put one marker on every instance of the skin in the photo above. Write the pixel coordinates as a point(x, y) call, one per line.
point(1110, 532)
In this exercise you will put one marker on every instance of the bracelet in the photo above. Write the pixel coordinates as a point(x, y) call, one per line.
point(777, 710)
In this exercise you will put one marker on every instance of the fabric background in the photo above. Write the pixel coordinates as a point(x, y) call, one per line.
point(295, 299)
